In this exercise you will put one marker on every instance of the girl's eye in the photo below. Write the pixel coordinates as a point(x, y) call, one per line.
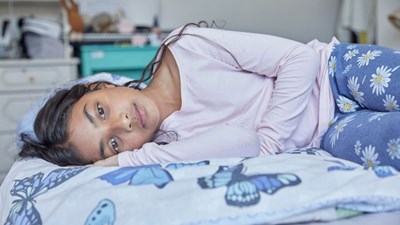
point(100, 110)
point(114, 145)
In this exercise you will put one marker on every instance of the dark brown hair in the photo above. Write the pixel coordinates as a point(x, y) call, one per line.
point(51, 125)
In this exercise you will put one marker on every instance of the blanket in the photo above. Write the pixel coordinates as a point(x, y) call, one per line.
point(301, 185)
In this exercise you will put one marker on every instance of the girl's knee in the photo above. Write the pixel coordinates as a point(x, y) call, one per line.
point(368, 138)
point(367, 75)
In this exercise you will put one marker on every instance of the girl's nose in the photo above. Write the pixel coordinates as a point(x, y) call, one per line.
point(124, 122)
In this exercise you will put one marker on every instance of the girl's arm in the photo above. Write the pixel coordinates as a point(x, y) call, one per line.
point(220, 141)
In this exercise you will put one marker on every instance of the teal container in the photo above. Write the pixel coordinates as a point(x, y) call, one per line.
point(125, 60)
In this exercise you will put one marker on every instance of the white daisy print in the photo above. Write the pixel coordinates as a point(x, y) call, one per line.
point(350, 54)
point(333, 121)
point(351, 46)
point(353, 86)
point(346, 105)
point(364, 59)
point(357, 147)
point(347, 69)
point(390, 103)
point(369, 157)
point(332, 65)
point(334, 136)
point(394, 148)
point(363, 81)
point(376, 116)
point(380, 80)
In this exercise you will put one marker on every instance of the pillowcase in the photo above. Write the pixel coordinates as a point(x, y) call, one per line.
point(26, 122)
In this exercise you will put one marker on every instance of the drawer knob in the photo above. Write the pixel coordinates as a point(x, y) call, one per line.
point(31, 79)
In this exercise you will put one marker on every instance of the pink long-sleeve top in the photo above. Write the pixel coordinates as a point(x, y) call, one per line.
point(281, 99)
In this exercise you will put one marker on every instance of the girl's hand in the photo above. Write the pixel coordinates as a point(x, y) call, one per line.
point(111, 161)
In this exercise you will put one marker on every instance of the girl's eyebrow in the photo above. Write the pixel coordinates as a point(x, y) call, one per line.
point(88, 116)
point(92, 121)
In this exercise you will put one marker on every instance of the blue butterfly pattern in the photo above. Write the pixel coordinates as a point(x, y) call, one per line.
point(244, 190)
point(148, 174)
point(385, 171)
point(339, 166)
point(26, 190)
point(181, 165)
point(103, 213)
point(305, 151)
point(139, 175)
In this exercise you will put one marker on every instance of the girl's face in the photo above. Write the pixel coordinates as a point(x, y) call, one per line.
point(112, 120)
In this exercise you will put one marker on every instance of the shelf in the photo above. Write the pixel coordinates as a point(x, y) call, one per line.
point(93, 37)
point(31, 2)
point(106, 37)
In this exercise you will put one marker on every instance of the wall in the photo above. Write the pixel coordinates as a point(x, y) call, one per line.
point(46, 9)
point(301, 20)
point(387, 34)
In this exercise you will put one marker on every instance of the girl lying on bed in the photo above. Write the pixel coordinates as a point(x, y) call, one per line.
point(217, 93)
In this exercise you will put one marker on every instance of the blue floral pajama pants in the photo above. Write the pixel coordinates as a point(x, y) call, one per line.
point(365, 81)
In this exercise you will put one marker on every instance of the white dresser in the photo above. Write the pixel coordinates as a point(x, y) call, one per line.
point(21, 83)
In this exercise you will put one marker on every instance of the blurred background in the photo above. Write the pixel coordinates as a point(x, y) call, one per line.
point(79, 22)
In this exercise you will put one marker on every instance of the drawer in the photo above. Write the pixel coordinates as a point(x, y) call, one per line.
point(13, 107)
point(8, 153)
point(34, 77)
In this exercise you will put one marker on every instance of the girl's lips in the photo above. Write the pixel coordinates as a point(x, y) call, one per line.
point(140, 115)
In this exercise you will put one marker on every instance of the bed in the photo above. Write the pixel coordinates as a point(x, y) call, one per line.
point(304, 185)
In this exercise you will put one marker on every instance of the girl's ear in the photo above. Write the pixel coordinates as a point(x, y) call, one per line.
point(99, 85)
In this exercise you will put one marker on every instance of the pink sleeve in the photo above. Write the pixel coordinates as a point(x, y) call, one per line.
point(293, 65)
point(217, 142)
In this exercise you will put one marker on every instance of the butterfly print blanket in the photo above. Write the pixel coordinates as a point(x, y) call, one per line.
point(298, 186)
